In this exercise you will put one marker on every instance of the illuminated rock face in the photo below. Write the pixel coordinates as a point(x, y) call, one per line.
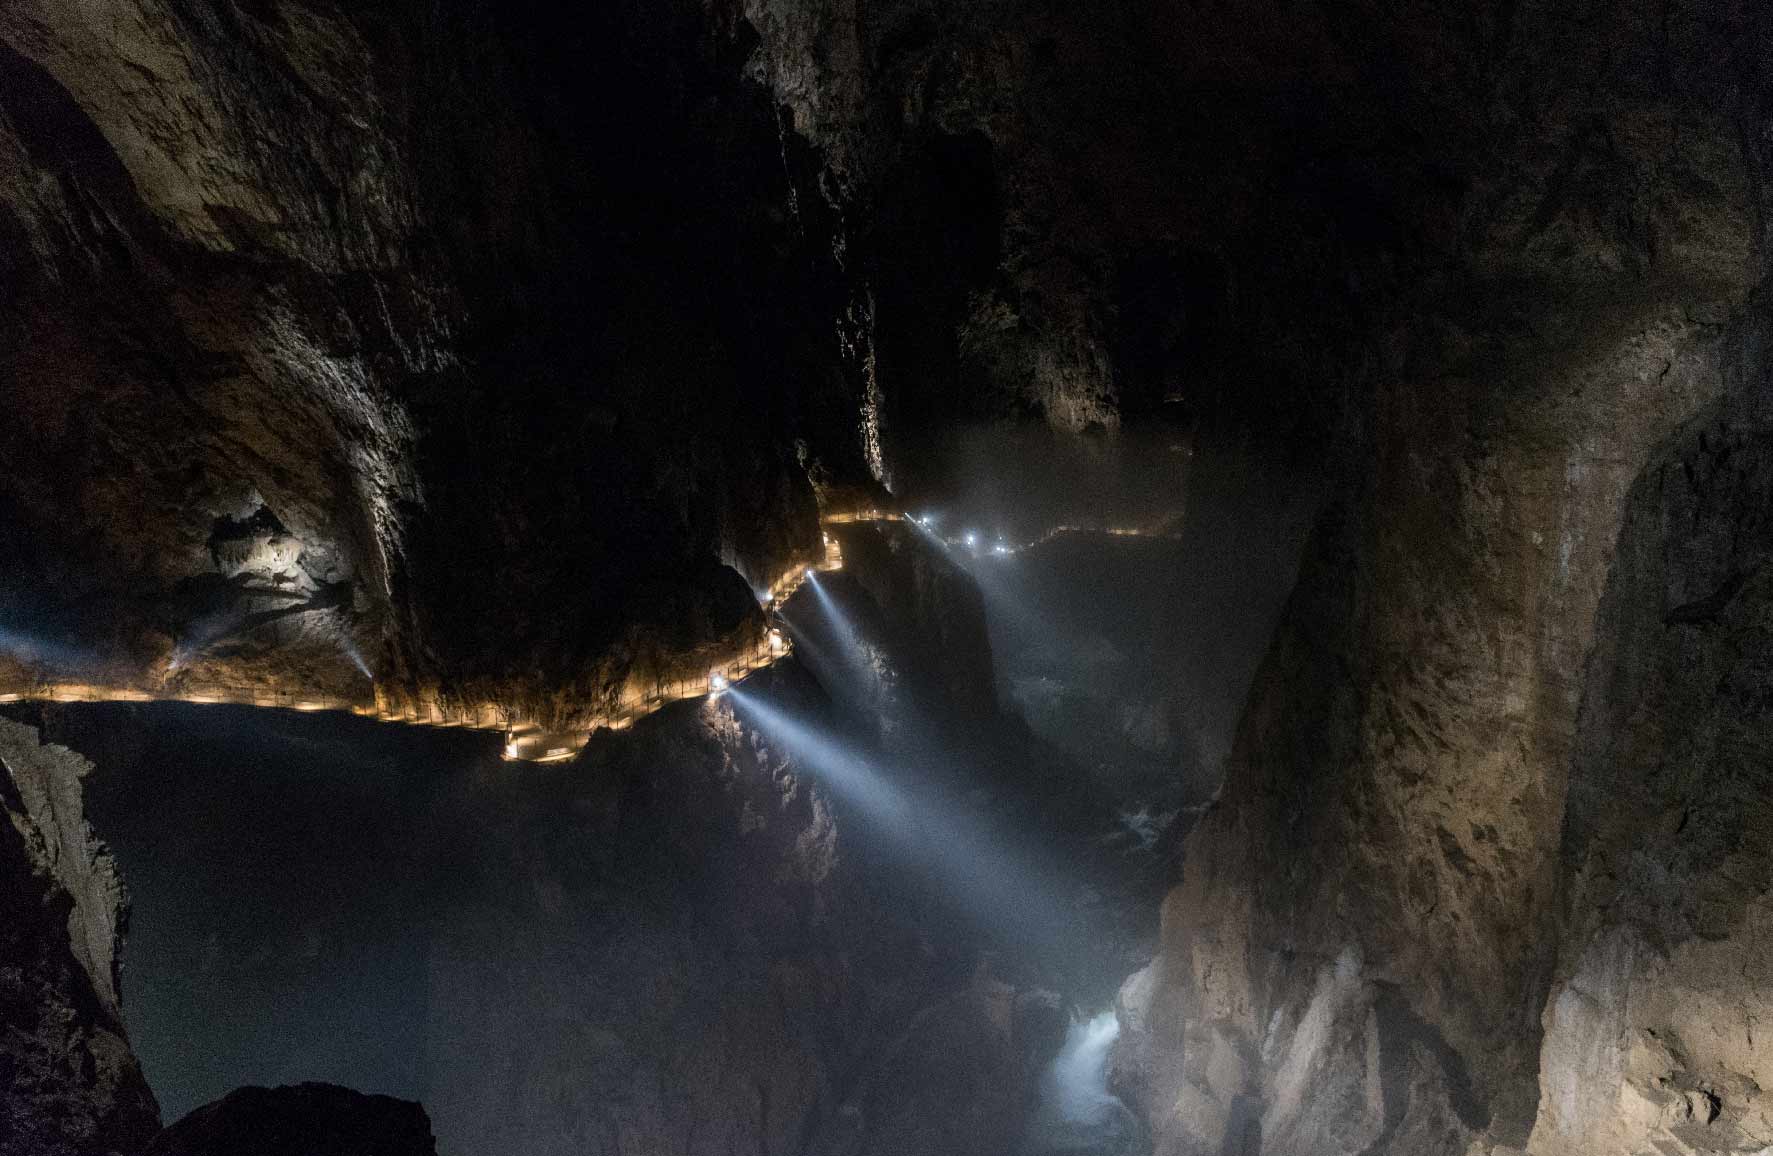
point(313, 341)
point(69, 1085)
point(1652, 1033)
point(311, 355)
point(1480, 866)
point(1396, 796)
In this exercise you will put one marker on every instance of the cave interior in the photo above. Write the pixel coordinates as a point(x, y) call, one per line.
point(820, 578)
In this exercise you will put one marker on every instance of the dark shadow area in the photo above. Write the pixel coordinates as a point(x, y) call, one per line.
point(284, 875)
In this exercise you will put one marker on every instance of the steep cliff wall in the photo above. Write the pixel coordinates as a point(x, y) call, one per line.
point(315, 348)
point(69, 1085)
point(1652, 1028)
point(313, 360)
point(1360, 955)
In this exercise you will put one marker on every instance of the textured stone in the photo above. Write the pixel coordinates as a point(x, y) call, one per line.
point(69, 1085)
point(1396, 798)
point(1488, 871)
point(304, 362)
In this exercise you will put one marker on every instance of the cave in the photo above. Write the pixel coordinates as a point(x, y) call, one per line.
point(807, 578)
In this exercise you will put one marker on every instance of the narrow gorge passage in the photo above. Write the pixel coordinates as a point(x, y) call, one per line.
point(818, 578)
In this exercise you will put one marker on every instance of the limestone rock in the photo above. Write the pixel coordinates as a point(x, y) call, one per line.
point(69, 1084)
point(1418, 768)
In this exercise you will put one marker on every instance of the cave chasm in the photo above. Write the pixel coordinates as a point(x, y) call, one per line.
point(799, 577)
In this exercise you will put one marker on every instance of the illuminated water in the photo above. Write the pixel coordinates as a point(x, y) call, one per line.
point(1078, 1114)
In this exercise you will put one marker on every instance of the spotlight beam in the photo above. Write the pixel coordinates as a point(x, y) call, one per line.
point(848, 776)
point(984, 875)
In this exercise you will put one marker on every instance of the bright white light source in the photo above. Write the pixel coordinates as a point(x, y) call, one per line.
point(716, 682)
point(511, 750)
point(1002, 549)
point(972, 538)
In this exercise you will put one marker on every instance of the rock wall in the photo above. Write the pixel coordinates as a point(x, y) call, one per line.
point(687, 942)
point(69, 1085)
point(927, 610)
point(1398, 930)
point(1651, 1028)
point(312, 363)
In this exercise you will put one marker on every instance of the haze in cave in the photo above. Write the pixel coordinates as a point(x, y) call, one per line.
point(805, 578)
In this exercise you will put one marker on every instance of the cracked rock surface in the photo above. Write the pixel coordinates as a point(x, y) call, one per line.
point(69, 1085)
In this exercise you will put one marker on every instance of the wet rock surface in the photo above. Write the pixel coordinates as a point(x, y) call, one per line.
point(304, 1120)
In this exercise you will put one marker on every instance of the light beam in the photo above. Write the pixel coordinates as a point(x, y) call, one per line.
point(984, 875)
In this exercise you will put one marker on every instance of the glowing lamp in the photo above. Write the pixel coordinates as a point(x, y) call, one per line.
point(972, 538)
point(716, 682)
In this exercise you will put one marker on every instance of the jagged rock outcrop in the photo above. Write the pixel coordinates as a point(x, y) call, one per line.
point(69, 1085)
point(1652, 1029)
point(313, 364)
point(1361, 954)
point(303, 1120)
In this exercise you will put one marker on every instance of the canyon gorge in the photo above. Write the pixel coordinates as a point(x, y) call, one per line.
point(815, 578)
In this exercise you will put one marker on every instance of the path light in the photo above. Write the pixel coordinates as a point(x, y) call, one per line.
point(716, 682)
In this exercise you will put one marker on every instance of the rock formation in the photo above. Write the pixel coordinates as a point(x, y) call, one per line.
point(315, 367)
point(1389, 933)
point(505, 359)
point(69, 1085)
point(305, 1120)
point(1651, 1027)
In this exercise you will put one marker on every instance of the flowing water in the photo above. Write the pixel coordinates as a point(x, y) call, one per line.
point(1078, 1115)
